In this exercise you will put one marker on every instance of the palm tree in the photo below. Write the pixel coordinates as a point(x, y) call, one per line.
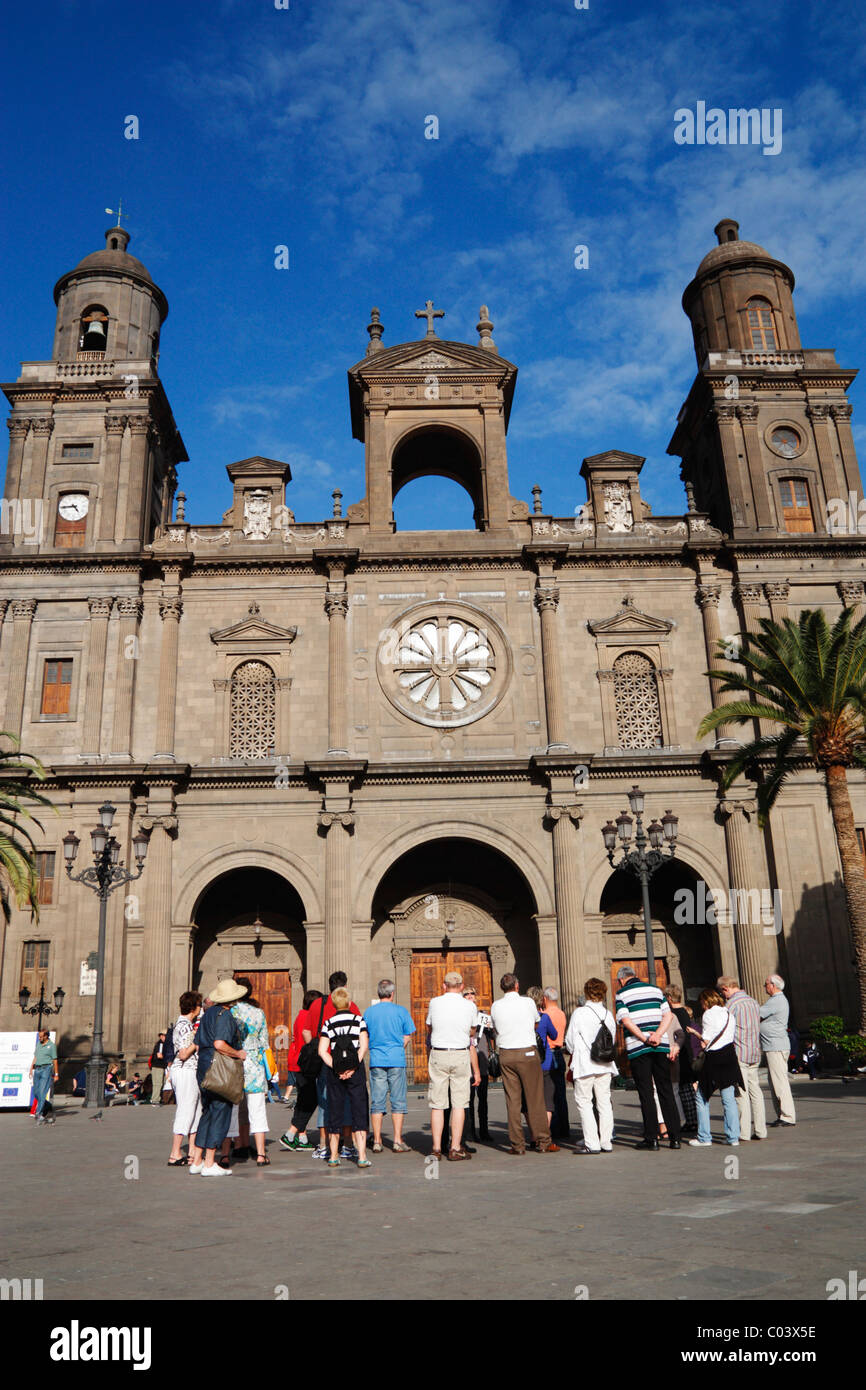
point(810, 681)
point(18, 876)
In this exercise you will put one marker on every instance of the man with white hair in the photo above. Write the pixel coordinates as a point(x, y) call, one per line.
point(452, 1064)
point(747, 1044)
point(559, 1124)
point(776, 1045)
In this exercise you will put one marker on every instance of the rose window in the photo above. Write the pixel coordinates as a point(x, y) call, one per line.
point(442, 668)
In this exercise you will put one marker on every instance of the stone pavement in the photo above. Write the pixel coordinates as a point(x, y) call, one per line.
point(496, 1227)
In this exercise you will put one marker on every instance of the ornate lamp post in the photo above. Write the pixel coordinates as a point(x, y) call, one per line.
point(40, 1007)
point(106, 874)
point(642, 861)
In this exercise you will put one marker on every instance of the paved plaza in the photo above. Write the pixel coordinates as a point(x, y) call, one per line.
point(539, 1227)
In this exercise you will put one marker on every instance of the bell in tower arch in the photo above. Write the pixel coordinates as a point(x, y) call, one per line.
point(93, 336)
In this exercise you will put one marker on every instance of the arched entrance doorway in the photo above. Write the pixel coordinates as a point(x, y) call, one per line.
point(685, 955)
point(452, 904)
point(249, 923)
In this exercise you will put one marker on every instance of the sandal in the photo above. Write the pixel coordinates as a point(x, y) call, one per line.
point(400, 1148)
point(224, 1162)
point(364, 1163)
point(177, 1162)
point(263, 1161)
point(334, 1163)
point(376, 1148)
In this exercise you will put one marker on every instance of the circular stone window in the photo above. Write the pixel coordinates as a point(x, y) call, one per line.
point(785, 441)
point(447, 665)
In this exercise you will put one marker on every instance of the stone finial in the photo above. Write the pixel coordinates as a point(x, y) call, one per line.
point(375, 328)
point(180, 514)
point(338, 502)
point(536, 500)
point(727, 230)
point(485, 329)
point(690, 497)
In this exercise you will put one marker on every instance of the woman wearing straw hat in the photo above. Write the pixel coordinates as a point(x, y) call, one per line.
point(217, 1032)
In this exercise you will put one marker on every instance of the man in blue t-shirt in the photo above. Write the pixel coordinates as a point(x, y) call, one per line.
point(390, 1027)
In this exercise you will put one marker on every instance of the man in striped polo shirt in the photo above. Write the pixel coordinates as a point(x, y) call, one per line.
point(645, 1016)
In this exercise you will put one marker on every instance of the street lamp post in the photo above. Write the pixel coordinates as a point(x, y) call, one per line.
point(105, 874)
point(40, 1007)
point(642, 861)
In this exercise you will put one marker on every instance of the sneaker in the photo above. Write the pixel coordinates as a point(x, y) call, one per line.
point(41, 1120)
point(216, 1172)
point(195, 1168)
point(287, 1143)
point(348, 1151)
point(700, 1143)
point(321, 1153)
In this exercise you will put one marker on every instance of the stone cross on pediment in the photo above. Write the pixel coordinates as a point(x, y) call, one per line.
point(429, 313)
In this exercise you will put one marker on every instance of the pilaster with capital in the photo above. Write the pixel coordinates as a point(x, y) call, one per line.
point(170, 610)
point(749, 597)
point(156, 963)
point(100, 612)
point(748, 417)
point(115, 428)
point(832, 473)
point(18, 431)
point(852, 595)
point(777, 597)
point(137, 502)
point(337, 608)
point(547, 602)
point(739, 488)
point(23, 610)
point(129, 609)
point(42, 431)
point(337, 827)
point(708, 597)
point(564, 821)
point(739, 816)
point(841, 414)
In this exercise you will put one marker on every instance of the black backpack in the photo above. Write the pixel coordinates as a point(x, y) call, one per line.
point(344, 1054)
point(602, 1048)
point(309, 1061)
point(168, 1047)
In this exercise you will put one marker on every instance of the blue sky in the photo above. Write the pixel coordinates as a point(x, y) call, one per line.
point(305, 127)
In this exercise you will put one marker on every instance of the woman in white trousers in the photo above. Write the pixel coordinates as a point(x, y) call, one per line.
point(592, 1079)
point(184, 1078)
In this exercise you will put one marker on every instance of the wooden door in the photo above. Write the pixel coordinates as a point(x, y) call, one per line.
point(272, 991)
point(640, 969)
point(429, 969)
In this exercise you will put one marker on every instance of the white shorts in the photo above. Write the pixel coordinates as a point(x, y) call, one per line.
point(188, 1097)
point(234, 1132)
point(257, 1110)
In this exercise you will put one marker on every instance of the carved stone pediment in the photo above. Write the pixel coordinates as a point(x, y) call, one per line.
point(253, 629)
point(628, 621)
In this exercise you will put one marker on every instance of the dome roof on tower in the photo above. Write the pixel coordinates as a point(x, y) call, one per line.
point(732, 251)
point(112, 261)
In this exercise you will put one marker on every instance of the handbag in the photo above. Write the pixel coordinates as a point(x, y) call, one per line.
point(309, 1061)
point(699, 1062)
point(494, 1066)
point(225, 1078)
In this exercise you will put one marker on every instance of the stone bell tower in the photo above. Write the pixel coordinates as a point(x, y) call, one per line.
point(433, 407)
point(765, 434)
point(93, 443)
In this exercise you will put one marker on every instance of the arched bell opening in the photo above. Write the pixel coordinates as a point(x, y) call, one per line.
point(442, 453)
point(93, 329)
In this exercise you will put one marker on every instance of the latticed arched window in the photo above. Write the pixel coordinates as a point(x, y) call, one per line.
point(762, 331)
point(253, 726)
point(636, 700)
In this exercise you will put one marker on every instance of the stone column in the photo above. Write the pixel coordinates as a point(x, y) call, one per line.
point(749, 598)
point(777, 597)
point(42, 430)
point(402, 958)
point(337, 607)
point(337, 826)
point(842, 419)
point(708, 600)
point(18, 430)
point(156, 963)
point(742, 511)
point(170, 610)
point(833, 477)
point(564, 821)
point(741, 876)
point(23, 610)
point(547, 601)
point(764, 518)
point(137, 501)
point(115, 426)
point(100, 612)
point(851, 594)
point(129, 610)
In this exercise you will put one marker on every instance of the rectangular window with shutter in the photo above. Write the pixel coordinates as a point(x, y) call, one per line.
point(34, 967)
point(45, 862)
point(796, 507)
point(56, 688)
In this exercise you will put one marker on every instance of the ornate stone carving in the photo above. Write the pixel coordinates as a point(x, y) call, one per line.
point(777, 592)
point(257, 515)
point(725, 413)
point(443, 667)
point(747, 412)
point(401, 955)
point(23, 609)
point(818, 411)
point(43, 426)
point(546, 596)
point(336, 605)
point(498, 956)
point(618, 516)
point(253, 713)
point(18, 427)
point(842, 411)
point(850, 591)
point(747, 593)
point(115, 424)
point(100, 606)
point(329, 818)
point(166, 823)
point(170, 607)
point(709, 595)
point(745, 807)
point(636, 702)
point(552, 814)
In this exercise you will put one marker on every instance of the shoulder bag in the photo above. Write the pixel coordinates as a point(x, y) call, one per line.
point(699, 1062)
point(309, 1061)
point(225, 1078)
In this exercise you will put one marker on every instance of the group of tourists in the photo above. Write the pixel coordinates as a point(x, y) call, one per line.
point(677, 1067)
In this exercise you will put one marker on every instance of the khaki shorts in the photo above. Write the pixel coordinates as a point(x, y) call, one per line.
point(448, 1071)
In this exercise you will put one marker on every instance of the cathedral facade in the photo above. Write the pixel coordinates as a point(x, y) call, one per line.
point(393, 752)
